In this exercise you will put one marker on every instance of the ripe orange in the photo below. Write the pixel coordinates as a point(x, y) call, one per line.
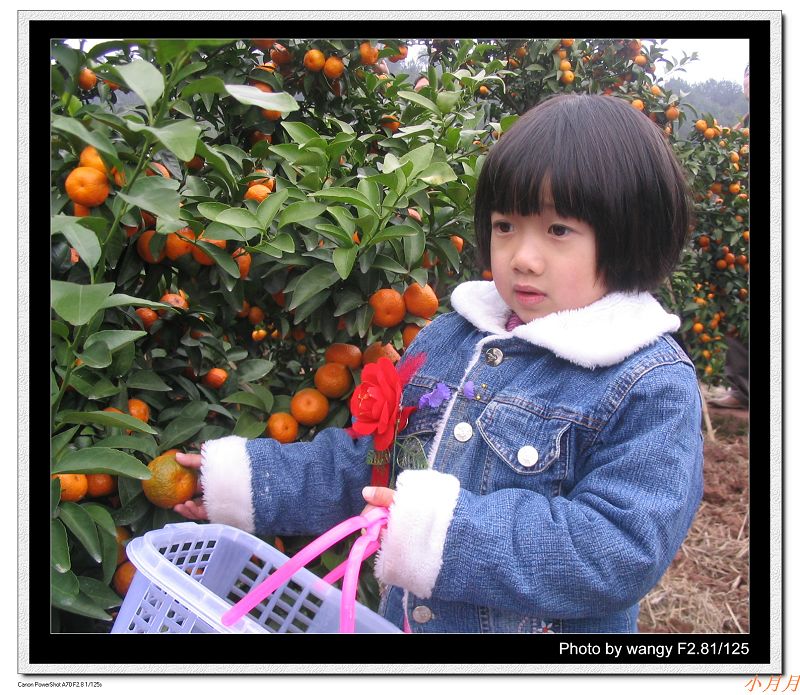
point(638, 104)
point(309, 407)
point(280, 55)
point(397, 57)
point(672, 113)
point(710, 133)
point(257, 192)
point(79, 210)
point(389, 307)
point(255, 315)
point(483, 90)
point(144, 250)
point(377, 350)
point(245, 308)
point(343, 353)
point(267, 181)
point(123, 577)
point(139, 409)
point(410, 332)
point(86, 79)
point(734, 188)
point(175, 300)
point(421, 301)
point(101, 484)
point(195, 163)
point(160, 168)
point(261, 86)
point(700, 126)
point(123, 535)
point(368, 53)
point(333, 68)
point(90, 157)
point(565, 65)
point(390, 122)
point(74, 486)
point(333, 380)
point(640, 60)
point(264, 44)
point(314, 60)
point(258, 335)
point(721, 264)
point(201, 256)
point(176, 246)
point(87, 186)
point(147, 316)
point(271, 115)
point(487, 275)
point(170, 483)
point(243, 260)
point(566, 43)
point(458, 242)
point(215, 378)
point(257, 136)
point(282, 427)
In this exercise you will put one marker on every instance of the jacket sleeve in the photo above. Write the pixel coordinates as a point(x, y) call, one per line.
point(265, 487)
point(605, 544)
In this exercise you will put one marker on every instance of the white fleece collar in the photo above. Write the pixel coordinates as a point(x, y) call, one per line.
point(598, 335)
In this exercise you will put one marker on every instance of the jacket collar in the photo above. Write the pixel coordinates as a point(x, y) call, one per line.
point(598, 335)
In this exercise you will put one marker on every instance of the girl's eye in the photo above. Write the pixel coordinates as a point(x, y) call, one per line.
point(502, 227)
point(558, 230)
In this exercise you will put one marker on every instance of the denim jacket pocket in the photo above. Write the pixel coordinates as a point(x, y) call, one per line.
point(528, 443)
point(423, 422)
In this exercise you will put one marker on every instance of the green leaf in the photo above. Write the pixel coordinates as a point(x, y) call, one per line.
point(145, 444)
point(77, 304)
point(65, 583)
point(248, 426)
point(344, 259)
point(179, 137)
point(300, 212)
point(299, 132)
point(126, 300)
point(421, 100)
point(246, 398)
point(59, 441)
point(97, 356)
point(205, 85)
point(67, 56)
point(59, 547)
point(238, 217)
point(252, 96)
point(269, 207)
point(221, 257)
point(143, 78)
point(93, 385)
point(102, 459)
point(347, 195)
point(253, 370)
point(218, 162)
point(155, 194)
point(97, 139)
point(98, 592)
point(79, 603)
point(147, 380)
point(179, 431)
point(318, 278)
point(101, 517)
point(395, 231)
point(438, 173)
point(265, 395)
point(102, 417)
point(212, 210)
point(114, 340)
point(77, 520)
point(420, 157)
point(386, 263)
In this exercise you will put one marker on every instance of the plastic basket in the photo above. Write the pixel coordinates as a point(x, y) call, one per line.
point(189, 575)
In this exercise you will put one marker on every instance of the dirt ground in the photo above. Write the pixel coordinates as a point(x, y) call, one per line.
point(706, 588)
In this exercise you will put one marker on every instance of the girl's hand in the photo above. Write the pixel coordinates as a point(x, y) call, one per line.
point(192, 509)
point(377, 497)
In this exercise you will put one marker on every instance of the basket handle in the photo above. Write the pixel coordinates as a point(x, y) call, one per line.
point(375, 517)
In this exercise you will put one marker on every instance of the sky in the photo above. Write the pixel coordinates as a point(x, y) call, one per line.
point(718, 59)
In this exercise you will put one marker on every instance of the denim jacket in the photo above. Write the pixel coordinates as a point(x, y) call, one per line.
point(559, 486)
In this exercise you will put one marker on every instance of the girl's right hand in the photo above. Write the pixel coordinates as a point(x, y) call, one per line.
point(192, 509)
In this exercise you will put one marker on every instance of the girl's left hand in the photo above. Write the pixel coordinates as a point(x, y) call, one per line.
point(377, 497)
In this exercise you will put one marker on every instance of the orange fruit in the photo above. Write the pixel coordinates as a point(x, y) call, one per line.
point(734, 188)
point(698, 328)
point(123, 535)
point(263, 44)
point(410, 332)
point(175, 300)
point(487, 275)
point(568, 77)
point(160, 168)
point(458, 242)
point(700, 126)
point(79, 210)
point(640, 60)
point(195, 163)
point(389, 307)
point(672, 113)
point(100, 484)
point(309, 407)
point(215, 378)
point(139, 409)
point(170, 482)
point(314, 60)
point(343, 353)
point(377, 350)
point(564, 65)
point(87, 186)
point(268, 182)
point(401, 55)
point(390, 122)
point(655, 90)
point(368, 53)
point(201, 256)
point(258, 335)
point(90, 157)
point(262, 86)
point(257, 192)
point(245, 309)
point(123, 577)
point(710, 133)
point(271, 115)
point(86, 79)
point(483, 90)
point(333, 68)
point(243, 260)
point(176, 246)
point(255, 315)
point(144, 250)
point(282, 427)
point(638, 104)
point(148, 317)
point(74, 486)
point(566, 43)
point(333, 380)
point(421, 301)
point(280, 55)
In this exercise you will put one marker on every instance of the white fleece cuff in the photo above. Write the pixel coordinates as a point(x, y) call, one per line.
point(413, 543)
point(226, 482)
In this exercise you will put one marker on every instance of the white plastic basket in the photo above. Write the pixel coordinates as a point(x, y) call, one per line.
point(188, 575)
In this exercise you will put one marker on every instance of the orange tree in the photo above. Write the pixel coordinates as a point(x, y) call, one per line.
point(247, 213)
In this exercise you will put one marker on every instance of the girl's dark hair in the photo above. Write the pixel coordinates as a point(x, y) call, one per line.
point(603, 162)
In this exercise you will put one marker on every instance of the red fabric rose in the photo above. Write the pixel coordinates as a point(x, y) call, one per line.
point(375, 404)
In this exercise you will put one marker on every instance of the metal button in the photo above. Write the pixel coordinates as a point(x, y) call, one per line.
point(422, 614)
point(462, 431)
point(528, 456)
point(494, 356)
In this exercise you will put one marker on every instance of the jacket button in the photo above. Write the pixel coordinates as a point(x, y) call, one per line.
point(494, 356)
point(422, 614)
point(462, 431)
point(528, 456)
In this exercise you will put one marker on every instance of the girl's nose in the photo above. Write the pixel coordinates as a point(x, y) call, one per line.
point(528, 258)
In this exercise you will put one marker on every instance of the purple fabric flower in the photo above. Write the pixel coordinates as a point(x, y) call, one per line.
point(436, 397)
point(469, 390)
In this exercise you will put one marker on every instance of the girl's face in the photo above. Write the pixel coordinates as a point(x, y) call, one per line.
point(544, 263)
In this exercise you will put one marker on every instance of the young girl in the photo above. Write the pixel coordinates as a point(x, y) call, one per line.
point(565, 467)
